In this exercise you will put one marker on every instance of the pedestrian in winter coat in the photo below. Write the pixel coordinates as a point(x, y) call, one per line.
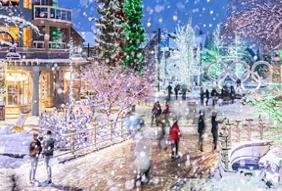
point(176, 89)
point(201, 129)
point(174, 136)
point(207, 96)
point(169, 91)
point(166, 113)
point(214, 129)
point(202, 96)
point(156, 113)
point(48, 150)
point(34, 152)
point(214, 96)
point(184, 91)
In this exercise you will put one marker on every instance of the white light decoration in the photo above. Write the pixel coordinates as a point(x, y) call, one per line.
point(71, 98)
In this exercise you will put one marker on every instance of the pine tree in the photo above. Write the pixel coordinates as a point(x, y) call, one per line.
point(108, 32)
point(134, 35)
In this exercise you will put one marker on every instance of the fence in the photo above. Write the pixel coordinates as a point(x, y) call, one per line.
point(92, 138)
point(234, 131)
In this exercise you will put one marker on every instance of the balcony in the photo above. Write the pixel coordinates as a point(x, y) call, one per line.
point(40, 45)
point(56, 14)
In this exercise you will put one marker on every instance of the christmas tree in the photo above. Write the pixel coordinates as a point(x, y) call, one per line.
point(109, 34)
point(134, 35)
point(56, 33)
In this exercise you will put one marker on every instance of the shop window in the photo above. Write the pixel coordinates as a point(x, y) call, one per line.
point(18, 88)
point(27, 37)
point(27, 4)
point(14, 31)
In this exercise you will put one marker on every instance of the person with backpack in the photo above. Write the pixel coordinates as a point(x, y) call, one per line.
point(174, 136)
point(34, 152)
point(214, 129)
point(48, 150)
point(201, 129)
point(156, 113)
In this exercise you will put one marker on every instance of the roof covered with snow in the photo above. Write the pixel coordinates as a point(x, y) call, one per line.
point(88, 36)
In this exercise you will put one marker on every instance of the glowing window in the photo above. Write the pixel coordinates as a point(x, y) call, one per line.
point(27, 4)
point(27, 37)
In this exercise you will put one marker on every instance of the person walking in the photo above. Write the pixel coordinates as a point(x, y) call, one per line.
point(156, 113)
point(174, 136)
point(214, 129)
point(48, 150)
point(176, 89)
point(214, 96)
point(201, 129)
point(232, 94)
point(207, 97)
point(169, 91)
point(184, 91)
point(34, 152)
point(166, 113)
point(202, 96)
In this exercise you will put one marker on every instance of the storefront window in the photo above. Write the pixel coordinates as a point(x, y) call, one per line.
point(18, 88)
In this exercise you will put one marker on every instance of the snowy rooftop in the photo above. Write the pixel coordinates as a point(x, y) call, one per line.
point(88, 36)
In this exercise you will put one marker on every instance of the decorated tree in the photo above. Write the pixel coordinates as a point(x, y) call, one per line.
point(115, 88)
point(134, 35)
point(109, 33)
point(257, 20)
point(56, 32)
point(181, 64)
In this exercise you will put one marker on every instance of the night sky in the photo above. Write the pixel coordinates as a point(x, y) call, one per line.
point(165, 14)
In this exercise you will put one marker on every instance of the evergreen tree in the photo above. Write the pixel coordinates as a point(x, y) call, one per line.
point(108, 32)
point(134, 35)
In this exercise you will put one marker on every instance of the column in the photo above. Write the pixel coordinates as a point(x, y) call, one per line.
point(35, 94)
point(47, 34)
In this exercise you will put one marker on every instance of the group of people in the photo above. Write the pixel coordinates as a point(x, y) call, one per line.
point(177, 89)
point(44, 146)
point(214, 129)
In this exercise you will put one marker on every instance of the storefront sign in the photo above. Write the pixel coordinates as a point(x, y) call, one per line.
point(2, 113)
point(21, 120)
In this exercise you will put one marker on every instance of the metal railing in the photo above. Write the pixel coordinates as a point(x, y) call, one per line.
point(52, 45)
point(94, 137)
point(52, 13)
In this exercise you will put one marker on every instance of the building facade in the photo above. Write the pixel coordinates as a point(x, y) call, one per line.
point(38, 78)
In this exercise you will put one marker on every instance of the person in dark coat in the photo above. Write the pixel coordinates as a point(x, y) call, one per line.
point(176, 89)
point(169, 91)
point(232, 93)
point(156, 113)
point(184, 91)
point(34, 152)
point(202, 96)
point(214, 129)
point(201, 129)
point(48, 150)
point(214, 96)
point(207, 97)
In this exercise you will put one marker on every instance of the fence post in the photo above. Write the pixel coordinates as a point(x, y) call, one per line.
point(72, 140)
point(121, 128)
point(249, 129)
point(228, 124)
point(95, 133)
point(238, 130)
point(111, 130)
point(261, 126)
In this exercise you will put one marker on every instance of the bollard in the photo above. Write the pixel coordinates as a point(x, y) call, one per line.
point(249, 129)
point(238, 130)
point(95, 133)
point(72, 140)
point(261, 126)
